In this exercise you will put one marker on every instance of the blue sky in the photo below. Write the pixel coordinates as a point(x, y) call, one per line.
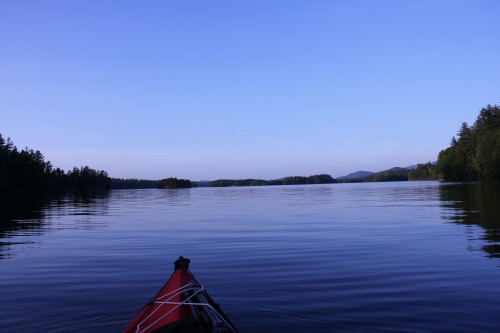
point(244, 89)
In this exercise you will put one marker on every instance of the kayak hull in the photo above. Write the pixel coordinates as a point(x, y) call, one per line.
point(181, 306)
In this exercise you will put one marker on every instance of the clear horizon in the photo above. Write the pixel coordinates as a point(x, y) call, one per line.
point(265, 89)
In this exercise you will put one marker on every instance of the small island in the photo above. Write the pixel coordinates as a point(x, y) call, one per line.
point(173, 183)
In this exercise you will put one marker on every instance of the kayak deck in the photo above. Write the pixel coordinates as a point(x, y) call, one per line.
point(181, 306)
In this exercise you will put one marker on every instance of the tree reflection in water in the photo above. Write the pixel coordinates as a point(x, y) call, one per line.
point(475, 203)
point(32, 214)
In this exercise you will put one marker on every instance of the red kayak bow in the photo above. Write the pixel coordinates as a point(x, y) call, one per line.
point(181, 306)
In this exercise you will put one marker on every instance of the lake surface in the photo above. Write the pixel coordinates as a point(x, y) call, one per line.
point(370, 257)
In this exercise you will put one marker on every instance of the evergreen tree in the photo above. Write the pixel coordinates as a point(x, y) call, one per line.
point(173, 183)
point(425, 171)
point(475, 155)
point(27, 172)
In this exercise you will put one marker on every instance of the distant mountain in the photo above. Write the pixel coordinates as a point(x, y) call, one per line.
point(393, 174)
point(395, 169)
point(356, 175)
point(390, 175)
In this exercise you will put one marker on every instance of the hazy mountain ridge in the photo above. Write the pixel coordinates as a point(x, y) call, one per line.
point(421, 171)
point(356, 175)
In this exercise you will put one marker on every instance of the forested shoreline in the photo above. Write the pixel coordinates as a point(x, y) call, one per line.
point(26, 172)
point(294, 180)
point(474, 154)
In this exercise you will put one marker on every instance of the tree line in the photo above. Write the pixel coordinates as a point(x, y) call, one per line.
point(132, 183)
point(294, 180)
point(427, 171)
point(173, 183)
point(26, 172)
point(391, 175)
point(474, 154)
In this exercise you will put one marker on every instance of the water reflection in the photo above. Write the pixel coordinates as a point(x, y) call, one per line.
point(475, 204)
point(19, 214)
point(94, 203)
point(31, 215)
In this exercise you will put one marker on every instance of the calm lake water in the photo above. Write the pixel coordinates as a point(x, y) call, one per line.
point(370, 257)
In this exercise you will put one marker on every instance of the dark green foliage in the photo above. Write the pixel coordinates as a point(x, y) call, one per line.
point(87, 178)
point(425, 171)
point(174, 183)
point(321, 179)
point(353, 176)
point(475, 154)
point(295, 180)
point(27, 172)
point(237, 182)
point(118, 183)
point(391, 175)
